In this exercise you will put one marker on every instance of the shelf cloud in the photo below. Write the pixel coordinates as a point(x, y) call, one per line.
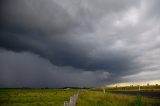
point(50, 43)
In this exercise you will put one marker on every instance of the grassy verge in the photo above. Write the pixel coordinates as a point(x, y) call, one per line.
point(34, 97)
point(94, 98)
point(151, 88)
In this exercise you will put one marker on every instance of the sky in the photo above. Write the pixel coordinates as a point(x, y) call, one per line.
point(80, 43)
point(135, 83)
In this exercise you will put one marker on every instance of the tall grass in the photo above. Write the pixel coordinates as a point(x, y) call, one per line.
point(37, 97)
point(138, 101)
point(18, 97)
point(94, 98)
point(145, 88)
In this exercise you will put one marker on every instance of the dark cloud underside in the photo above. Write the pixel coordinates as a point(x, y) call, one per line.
point(87, 42)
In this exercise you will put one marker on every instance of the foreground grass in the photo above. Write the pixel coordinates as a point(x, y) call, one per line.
point(95, 98)
point(49, 97)
point(34, 97)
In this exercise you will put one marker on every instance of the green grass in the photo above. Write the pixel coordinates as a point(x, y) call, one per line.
point(155, 88)
point(34, 97)
point(95, 98)
point(134, 88)
point(52, 97)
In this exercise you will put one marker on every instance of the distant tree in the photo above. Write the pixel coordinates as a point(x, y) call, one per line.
point(148, 84)
point(156, 84)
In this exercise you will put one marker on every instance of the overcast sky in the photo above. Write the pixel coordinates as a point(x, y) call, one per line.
point(58, 43)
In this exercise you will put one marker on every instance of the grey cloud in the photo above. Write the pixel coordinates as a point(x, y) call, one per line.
point(25, 69)
point(88, 35)
point(53, 17)
point(141, 76)
point(64, 53)
point(36, 16)
point(153, 7)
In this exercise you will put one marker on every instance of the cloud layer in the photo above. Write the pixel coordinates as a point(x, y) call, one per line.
point(29, 70)
point(87, 42)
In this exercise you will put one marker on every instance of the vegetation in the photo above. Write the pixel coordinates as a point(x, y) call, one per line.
point(56, 97)
point(135, 88)
point(34, 97)
point(131, 88)
point(95, 98)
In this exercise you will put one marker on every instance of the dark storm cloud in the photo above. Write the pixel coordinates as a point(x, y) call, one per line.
point(87, 35)
point(36, 16)
point(29, 70)
point(35, 20)
point(64, 53)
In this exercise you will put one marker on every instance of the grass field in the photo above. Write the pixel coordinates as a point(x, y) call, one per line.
point(150, 88)
point(95, 98)
point(53, 97)
point(130, 88)
point(34, 97)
